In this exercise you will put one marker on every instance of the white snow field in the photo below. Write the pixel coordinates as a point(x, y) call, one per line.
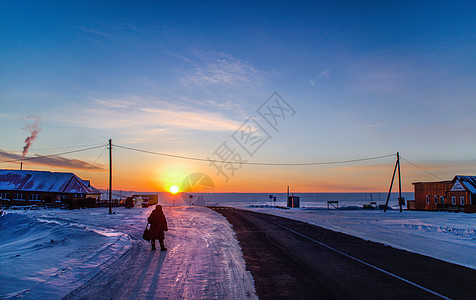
point(447, 236)
point(45, 254)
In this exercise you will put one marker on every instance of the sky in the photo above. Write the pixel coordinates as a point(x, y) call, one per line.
point(239, 91)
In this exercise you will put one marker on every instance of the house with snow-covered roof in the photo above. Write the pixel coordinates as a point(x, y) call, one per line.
point(463, 191)
point(458, 194)
point(25, 187)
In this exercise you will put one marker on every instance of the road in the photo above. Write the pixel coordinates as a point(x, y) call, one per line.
point(292, 259)
point(203, 261)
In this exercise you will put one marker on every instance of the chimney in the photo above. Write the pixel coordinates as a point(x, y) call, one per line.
point(21, 166)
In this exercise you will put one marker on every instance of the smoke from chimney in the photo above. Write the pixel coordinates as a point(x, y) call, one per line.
point(34, 129)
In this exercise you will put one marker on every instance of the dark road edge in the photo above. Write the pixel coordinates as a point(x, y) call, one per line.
point(462, 290)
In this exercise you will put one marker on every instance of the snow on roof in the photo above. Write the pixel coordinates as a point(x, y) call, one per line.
point(44, 181)
point(468, 181)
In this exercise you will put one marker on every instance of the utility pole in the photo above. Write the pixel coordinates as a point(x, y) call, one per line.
point(400, 200)
point(287, 198)
point(110, 177)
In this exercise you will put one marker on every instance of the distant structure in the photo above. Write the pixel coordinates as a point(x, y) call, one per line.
point(195, 199)
point(145, 200)
point(293, 201)
point(458, 194)
point(23, 187)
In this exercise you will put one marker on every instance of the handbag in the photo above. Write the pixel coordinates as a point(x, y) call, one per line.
point(146, 234)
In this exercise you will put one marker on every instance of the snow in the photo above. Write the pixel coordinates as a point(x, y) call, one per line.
point(469, 182)
point(48, 253)
point(44, 181)
point(447, 236)
point(45, 254)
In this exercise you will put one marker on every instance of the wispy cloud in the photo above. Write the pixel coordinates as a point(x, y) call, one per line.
point(376, 73)
point(146, 116)
point(51, 161)
point(224, 105)
point(222, 70)
point(193, 120)
point(111, 32)
point(324, 74)
point(96, 32)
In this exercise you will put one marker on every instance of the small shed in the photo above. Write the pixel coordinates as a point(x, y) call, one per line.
point(293, 201)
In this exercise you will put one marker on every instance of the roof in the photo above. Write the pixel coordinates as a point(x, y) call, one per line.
point(469, 182)
point(44, 181)
point(432, 182)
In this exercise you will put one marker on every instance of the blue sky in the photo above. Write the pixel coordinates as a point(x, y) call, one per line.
point(365, 79)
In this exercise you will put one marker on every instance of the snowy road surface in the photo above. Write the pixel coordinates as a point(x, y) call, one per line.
point(204, 259)
point(46, 254)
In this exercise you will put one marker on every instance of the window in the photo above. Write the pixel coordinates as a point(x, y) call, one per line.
point(453, 200)
point(35, 197)
point(427, 199)
point(60, 198)
point(4, 196)
point(18, 196)
point(442, 200)
point(436, 199)
point(461, 200)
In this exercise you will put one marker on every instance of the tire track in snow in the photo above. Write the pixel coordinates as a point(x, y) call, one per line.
point(203, 261)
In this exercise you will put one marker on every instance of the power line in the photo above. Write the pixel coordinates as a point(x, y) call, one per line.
point(254, 163)
point(51, 155)
point(420, 168)
point(94, 161)
point(66, 147)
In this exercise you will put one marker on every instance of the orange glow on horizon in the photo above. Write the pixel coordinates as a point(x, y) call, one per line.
point(139, 175)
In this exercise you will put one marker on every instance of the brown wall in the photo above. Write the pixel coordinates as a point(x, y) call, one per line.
point(45, 197)
point(430, 189)
point(457, 195)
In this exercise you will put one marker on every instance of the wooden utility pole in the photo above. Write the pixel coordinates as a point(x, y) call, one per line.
point(400, 200)
point(110, 177)
point(287, 197)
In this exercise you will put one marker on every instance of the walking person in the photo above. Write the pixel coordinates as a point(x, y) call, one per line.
point(158, 224)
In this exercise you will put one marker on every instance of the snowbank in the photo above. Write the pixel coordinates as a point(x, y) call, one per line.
point(46, 254)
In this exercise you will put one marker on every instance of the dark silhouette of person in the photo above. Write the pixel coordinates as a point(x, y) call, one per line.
point(158, 225)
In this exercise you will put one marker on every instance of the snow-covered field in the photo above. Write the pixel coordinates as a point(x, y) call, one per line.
point(446, 236)
point(45, 254)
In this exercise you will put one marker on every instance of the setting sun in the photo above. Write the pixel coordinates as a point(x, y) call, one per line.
point(174, 189)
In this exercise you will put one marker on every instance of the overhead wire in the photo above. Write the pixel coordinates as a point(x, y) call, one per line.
point(253, 163)
point(420, 167)
point(51, 155)
point(102, 152)
point(66, 147)
point(201, 159)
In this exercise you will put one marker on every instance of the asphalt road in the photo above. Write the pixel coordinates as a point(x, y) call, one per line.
point(292, 259)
